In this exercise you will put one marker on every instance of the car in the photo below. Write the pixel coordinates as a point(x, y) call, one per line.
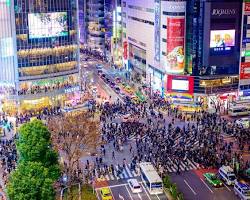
point(122, 94)
point(117, 89)
point(98, 66)
point(243, 122)
point(107, 80)
point(128, 89)
point(123, 85)
point(99, 71)
point(135, 99)
point(226, 173)
point(112, 84)
point(134, 186)
point(212, 179)
point(103, 76)
point(106, 194)
point(118, 80)
point(242, 190)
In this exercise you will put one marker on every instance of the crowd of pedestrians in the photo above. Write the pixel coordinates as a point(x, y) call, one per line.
point(8, 154)
point(173, 140)
point(169, 139)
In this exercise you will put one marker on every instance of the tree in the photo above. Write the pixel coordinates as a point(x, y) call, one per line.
point(34, 144)
point(31, 180)
point(73, 135)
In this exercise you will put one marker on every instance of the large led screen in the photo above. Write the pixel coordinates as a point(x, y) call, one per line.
point(45, 25)
point(222, 38)
point(182, 85)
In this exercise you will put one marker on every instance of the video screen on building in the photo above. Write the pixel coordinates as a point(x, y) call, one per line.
point(178, 84)
point(45, 25)
point(222, 40)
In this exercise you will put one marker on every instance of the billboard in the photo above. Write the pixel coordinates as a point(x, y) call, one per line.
point(176, 83)
point(222, 38)
point(175, 45)
point(45, 25)
point(245, 71)
point(222, 41)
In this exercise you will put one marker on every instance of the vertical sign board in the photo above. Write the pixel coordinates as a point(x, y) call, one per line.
point(245, 46)
point(157, 27)
point(175, 56)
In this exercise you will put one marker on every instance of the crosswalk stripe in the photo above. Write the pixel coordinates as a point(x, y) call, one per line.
point(111, 177)
point(192, 164)
point(128, 170)
point(169, 169)
point(126, 175)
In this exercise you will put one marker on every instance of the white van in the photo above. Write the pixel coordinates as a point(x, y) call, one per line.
point(134, 186)
point(242, 190)
point(226, 173)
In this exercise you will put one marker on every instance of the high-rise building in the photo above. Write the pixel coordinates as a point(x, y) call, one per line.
point(187, 49)
point(39, 58)
point(94, 19)
point(244, 84)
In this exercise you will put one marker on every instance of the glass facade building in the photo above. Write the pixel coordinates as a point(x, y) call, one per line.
point(43, 54)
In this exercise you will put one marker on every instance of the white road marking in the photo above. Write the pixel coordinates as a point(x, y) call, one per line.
point(146, 191)
point(97, 196)
point(128, 170)
point(157, 197)
point(128, 192)
point(227, 187)
point(190, 187)
point(111, 193)
point(139, 195)
point(207, 186)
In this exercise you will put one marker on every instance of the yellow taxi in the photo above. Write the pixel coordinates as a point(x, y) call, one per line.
point(128, 89)
point(106, 194)
point(135, 99)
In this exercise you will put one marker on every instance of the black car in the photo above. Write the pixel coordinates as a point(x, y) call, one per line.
point(107, 80)
point(117, 89)
point(99, 71)
point(112, 84)
point(103, 76)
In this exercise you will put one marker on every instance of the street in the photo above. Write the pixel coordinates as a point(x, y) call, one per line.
point(190, 181)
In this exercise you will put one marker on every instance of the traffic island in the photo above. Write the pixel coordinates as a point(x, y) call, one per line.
point(171, 189)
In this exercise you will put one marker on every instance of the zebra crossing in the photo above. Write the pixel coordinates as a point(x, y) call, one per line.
point(171, 167)
point(127, 173)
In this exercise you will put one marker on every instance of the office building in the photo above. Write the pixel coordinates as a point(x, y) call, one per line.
point(187, 49)
point(94, 24)
point(39, 57)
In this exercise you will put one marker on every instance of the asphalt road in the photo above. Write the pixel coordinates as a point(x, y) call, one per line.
point(190, 183)
point(194, 187)
point(122, 191)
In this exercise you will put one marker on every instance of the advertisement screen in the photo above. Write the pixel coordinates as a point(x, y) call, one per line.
point(182, 85)
point(222, 38)
point(44, 25)
point(175, 45)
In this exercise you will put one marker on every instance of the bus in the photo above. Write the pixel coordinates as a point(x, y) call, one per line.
point(235, 111)
point(241, 103)
point(151, 178)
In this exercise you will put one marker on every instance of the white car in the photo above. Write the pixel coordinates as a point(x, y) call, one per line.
point(244, 122)
point(134, 186)
point(242, 190)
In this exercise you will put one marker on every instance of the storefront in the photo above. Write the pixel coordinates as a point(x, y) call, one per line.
point(156, 80)
point(137, 63)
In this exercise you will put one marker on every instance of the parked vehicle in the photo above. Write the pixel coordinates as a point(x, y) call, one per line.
point(226, 173)
point(242, 190)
